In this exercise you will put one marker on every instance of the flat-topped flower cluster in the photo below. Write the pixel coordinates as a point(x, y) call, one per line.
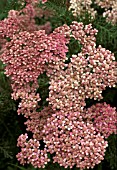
point(110, 7)
point(80, 7)
point(74, 134)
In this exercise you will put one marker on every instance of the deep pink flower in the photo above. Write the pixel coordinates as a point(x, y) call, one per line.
point(104, 117)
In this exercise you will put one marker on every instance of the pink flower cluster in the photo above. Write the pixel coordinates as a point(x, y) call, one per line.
point(86, 76)
point(110, 7)
point(29, 101)
point(37, 121)
point(30, 152)
point(28, 54)
point(22, 20)
point(105, 118)
point(72, 137)
point(80, 7)
point(40, 12)
point(18, 21)
point(26, 57)
point(73, 141)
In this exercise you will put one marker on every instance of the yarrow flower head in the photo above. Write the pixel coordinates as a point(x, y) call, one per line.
point(30, 152)
point(80, 7)
point(37, 121)
point(26, 59)
point(18, 21)
point(110, 7)
point(73, 141)
point(86, 76)
point(22, 20)
point(104, 118)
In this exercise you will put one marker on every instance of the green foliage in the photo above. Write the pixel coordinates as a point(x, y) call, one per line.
point(107, 34)
point(111, 152)
point(9, 128)
point(43, 82)
point(74, 47)
point(60, 14)
point(110, 95)
point(6, 6)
